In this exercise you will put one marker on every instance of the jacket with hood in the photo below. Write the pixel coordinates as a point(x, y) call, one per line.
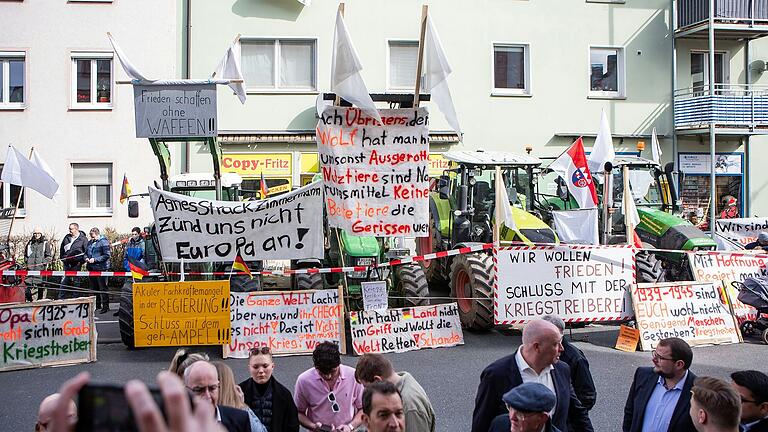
point(135, 250)
point(74, 256)
point(100, 251)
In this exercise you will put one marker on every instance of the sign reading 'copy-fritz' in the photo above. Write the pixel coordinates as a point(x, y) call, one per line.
point(376, 176)
point(578, 283)
point(291, 322)
point(47, 333)
point(175, 111)
point(289, 226)
point(407, 329)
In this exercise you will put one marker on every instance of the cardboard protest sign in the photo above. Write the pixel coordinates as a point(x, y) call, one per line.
point(689, 311)
point(406, 329)
point(628, 339)
point(578, 283)
point(47, 333)
point(376, 177)
point(741, 231)
point(729, 269)
point(375, 295)
point(175, 111)
point(288, 322)
point(181, 313)
point(288, 226)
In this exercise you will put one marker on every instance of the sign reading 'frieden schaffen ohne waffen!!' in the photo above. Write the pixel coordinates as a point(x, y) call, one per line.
point(173, 111)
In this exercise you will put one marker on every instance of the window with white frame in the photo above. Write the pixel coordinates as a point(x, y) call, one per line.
point(12, 79)
point(9, 195)
point(92, 183)
point(92, 85)
point(606, 71)
point(279, 64)
point(403, 57)
point(511, 69)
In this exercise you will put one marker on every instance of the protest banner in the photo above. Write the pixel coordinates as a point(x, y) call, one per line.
point(375, 176)
point(181, 313)
point(47, 333)
point(288, 322)
point(628, 339)
point(175, 111)
point(375, 295)
point(406, 329)
point(741, 231)
point(191, 229)
point(729, 269)
point(686, 310)
point(578, 283)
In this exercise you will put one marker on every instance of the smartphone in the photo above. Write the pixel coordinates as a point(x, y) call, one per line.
point(325, 428)
point(104, 408)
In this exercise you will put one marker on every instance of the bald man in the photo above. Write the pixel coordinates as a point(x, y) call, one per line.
point(45, 412)
point(535, 361)
point(202, 379)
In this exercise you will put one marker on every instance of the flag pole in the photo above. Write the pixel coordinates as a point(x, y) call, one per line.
point(497, 208)
point(337, 101)
point(237, 38)
point(16, 208)
point(420, 58)
point(627, 223)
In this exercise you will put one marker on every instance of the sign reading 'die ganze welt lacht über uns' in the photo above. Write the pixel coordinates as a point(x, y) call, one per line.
point(375, 176)
point(175, 111)
point(50, 333)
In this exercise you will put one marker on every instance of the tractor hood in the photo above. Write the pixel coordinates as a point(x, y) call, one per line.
point(359, 246)
point(667, 231)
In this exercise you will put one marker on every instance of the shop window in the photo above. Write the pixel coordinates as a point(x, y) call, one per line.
point(92, 81)
point(92, 188)
point(12, 79)
point(279, 64)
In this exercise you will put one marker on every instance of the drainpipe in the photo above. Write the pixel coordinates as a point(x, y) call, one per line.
point(187, 66)
point(673, 22)
point(713, 205)
point(746, 199)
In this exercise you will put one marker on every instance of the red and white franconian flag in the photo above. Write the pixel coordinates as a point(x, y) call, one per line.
point(572, 167)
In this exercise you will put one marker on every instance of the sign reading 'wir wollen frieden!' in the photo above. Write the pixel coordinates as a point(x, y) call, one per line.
point(288, 322)
point(407, 329)
point(49, 333)
point(689, 311)
point(175, 111)
point(181, 313)
point(376, 176)
point(578, 283)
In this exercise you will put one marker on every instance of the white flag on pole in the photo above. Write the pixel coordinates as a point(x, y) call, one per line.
point(630, 210)
point(229, 68)
point(577, 226)
point(37, 160)
point(655, 147)
point(506, 207)
point(436, 71)
point(602, 151)
point(346, 80)
point(20, 171)
point(128, 67)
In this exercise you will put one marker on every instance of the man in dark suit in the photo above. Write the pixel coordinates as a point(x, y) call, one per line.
point(202, 379)
point(535, 361)
point(753, 388)
point(659, 399)
point(581, 377)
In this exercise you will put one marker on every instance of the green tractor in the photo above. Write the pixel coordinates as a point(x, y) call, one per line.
point(660, 225)
point(461, 214)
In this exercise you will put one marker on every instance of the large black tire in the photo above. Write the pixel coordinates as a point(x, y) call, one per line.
point(308, 281)
point(648, 268)
point(412, 284)
point(125, 314)
point(435, 270)
point(472, 286)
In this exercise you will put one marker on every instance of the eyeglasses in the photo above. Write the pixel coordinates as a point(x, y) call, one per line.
point(332, 399)
point(749, 401)
point(519, 416)
point(657, 356)
point(199, 390)
point(260, 350)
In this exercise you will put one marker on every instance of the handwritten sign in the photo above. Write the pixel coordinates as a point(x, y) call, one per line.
point(628, 339)
point(47, 333)
point(181, 313)
point(689, 311)
point(578, 283)
point(289, 226)
point(406, 329)
point(172, 111)
point(375, 176)
point(730, 269)
point(375, 295)
point(289, 322)
point(741, 231)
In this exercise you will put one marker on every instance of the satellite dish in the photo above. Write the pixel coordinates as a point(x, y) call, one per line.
point(758, 65)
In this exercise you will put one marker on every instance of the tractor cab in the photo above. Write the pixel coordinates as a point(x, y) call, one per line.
point(203, 185)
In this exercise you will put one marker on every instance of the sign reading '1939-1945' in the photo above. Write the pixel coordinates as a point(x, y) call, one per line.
point(173, 111)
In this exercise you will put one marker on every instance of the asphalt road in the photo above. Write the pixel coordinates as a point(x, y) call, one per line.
point(449, 375)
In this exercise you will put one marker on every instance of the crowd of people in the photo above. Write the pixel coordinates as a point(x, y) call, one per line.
point(545, 385)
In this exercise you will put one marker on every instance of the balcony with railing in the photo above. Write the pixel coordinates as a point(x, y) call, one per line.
point(736, 108)
point(734, 19)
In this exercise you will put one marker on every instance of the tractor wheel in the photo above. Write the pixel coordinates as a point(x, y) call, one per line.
point(412, 284)
point(472, 286)
point(125, 314)
point(649, 269)
point(308, 281)
point(434, 269)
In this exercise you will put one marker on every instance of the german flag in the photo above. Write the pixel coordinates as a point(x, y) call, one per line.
point(407, 314)
point(240, 266)
point(125, 191)
point(138, 269)
point(263, 188)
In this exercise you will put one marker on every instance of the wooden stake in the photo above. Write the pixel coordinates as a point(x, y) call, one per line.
point(497, 208)
point(337, 101)
point(627, 223)
point(420, 58)
point(18, 201)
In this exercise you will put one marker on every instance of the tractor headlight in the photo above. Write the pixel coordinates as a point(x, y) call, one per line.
point(472, 181)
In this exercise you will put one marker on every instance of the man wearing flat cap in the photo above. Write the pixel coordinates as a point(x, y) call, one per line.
point(529, 405)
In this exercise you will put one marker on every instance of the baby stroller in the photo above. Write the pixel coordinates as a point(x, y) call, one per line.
point(755, 294)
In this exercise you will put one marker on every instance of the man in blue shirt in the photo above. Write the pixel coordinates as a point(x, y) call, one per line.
point(659, 398)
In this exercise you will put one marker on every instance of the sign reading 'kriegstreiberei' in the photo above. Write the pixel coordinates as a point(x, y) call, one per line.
point(173, 111)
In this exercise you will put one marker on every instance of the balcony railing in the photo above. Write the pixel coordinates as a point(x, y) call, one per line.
point(690, 12)
point(731, 106)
